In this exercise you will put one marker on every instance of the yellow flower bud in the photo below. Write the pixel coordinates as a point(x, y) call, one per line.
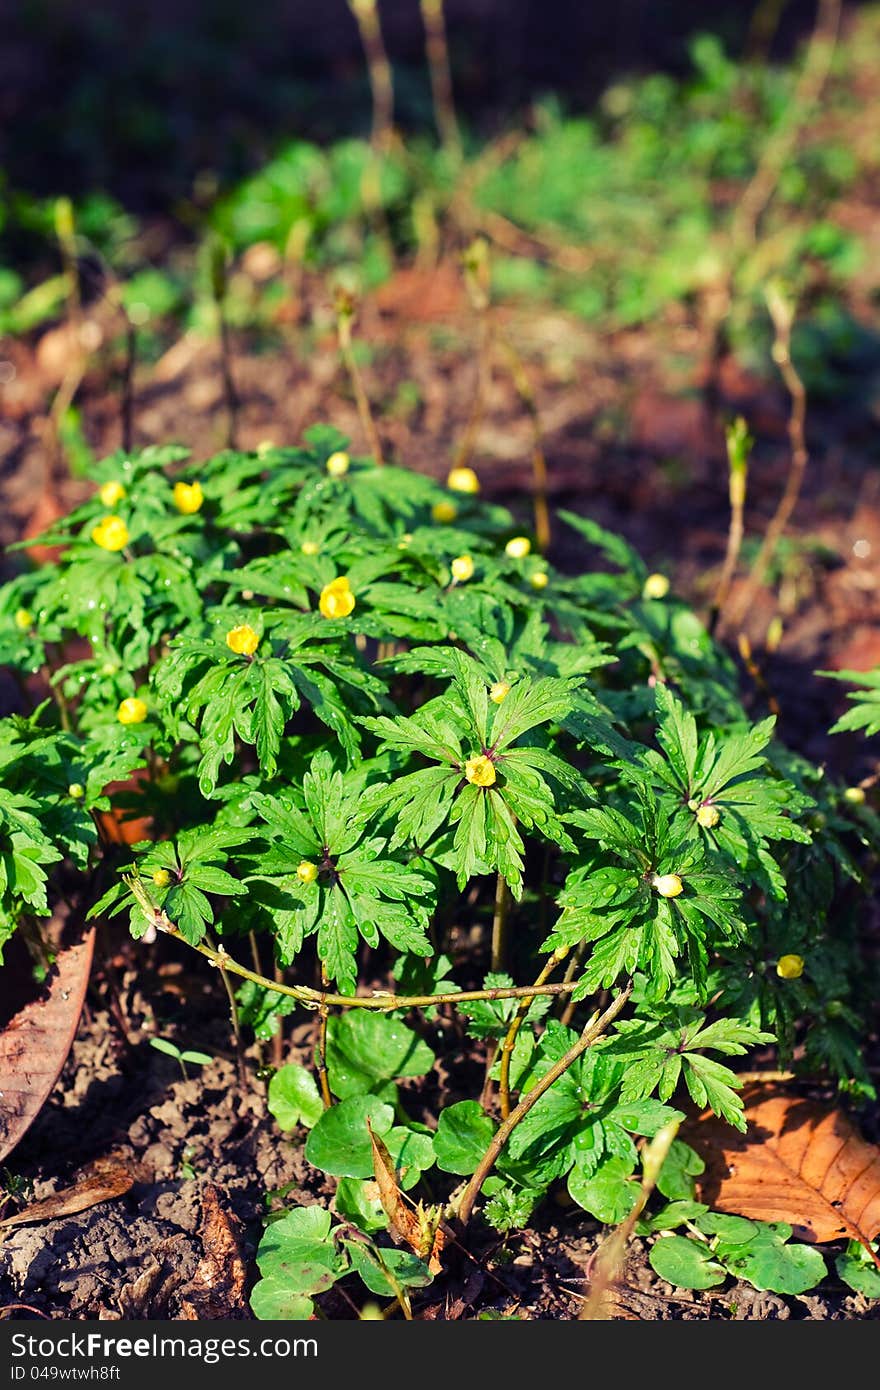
point(310, 547)
point(463, 480)
point(480, 770)
point(498, 692)
point(518, 547)
point(790, 967)
point(76, 790)
point(24, 620)
point(655, 586)
point(462, 569)
point(667, 885)
point(337, 600)
point(855, 795)
point(111, 533)
point(111, 493)
point(265, 447)
point(539, 579)
point(161, 878)
point(188, 498)
point(708, 816)
point(132, 711)
point(337, 464)
point(444, 512)
point(242, 640)
point(307, 872)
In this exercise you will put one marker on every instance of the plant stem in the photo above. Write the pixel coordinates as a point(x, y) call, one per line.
point(515, 1024)
point(440, 73)
point(344, 318)
point(571, 970)
point(524, 390)
point(782, 315)
point(321, 1047)
point(366, 15)
point(499, 924)
point(477, 281)
point(594, 1030)
point(738, 446)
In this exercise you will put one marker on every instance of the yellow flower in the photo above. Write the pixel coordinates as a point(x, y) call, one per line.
point(790, 967)
point(667, 885)
point(76, 790)
point(708, 817)
point(655, 586)
point(462, 569)
point(444, 512)
point(24, 620)
point(463, 480)
point(337, 464)
point(480, 770)
point(242, 640)
point(518, 547)
point(307, 872)
point(310, 547)
point(188, 498)
point(498, 692)
point(337, 600)
point(132, 711)
point(111, 533)
point(161, 878)
point(539, 579)
point(855, 795)
point(264, 447)
point(111, 493)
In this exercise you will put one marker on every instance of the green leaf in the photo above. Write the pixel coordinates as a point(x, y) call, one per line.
point(464, 1132)
point(681, 1167)
point(340, 1143)
point(366, 1050)
point(609, 1195)
point(407, 1269)
point(858, 1271)
point(294, 1097)
point(355, 1202)
point(273, 1300)
point(686, 1263)
point(767, 1261)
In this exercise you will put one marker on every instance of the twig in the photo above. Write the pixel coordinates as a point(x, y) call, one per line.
point(739, 444)
point(782, 313)
point(477, 275)
point(511, 1035)
point(345, 311)
point(440, 74)
point(321, 1046)
point(757, 675)
point(523, 389)
point(610, 1257)
point(594, 1030)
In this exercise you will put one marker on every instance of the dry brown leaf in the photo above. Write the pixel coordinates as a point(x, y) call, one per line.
point(216, 1290)
point(35, 1043)
point(100, 1182)
point(799, 1162)
point(418, 1229)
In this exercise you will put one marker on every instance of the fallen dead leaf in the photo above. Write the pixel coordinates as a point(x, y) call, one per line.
point(800, 1162)
point(419, 1229)
point(100, 1182)
point(35, 1043)
point(216, 1290)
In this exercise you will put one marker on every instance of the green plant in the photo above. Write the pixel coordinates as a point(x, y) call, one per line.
point(342, 700)
point(170, 1049)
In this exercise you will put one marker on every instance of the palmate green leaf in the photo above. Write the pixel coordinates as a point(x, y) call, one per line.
point(686, 1263)
point(608, 1194)
point(768, 1261)
point(366, 1052)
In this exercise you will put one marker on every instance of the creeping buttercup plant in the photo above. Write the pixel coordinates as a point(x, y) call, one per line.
point(350, 744)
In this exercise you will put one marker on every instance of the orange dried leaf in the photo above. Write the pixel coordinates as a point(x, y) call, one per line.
point(416, 1229)
point(800, 1162)
point(99, 1182)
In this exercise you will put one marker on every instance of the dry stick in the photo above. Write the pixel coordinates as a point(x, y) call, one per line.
point(594, 1030)
point(611, 1255)
point(128, 386)
point(738, 446)
point(571, 970)
point(757, 675)
point(782, 314)
point(440, 74)
point(230, 394)
point(345, 310)
point(511, 1035)
point(539, 462)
